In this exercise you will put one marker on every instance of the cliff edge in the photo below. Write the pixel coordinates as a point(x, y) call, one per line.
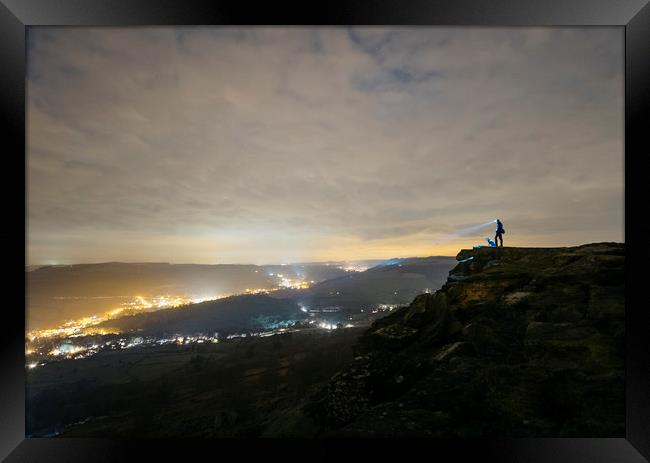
point(518, 342)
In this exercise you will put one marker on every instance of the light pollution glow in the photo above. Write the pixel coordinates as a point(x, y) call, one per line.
point(87, 326)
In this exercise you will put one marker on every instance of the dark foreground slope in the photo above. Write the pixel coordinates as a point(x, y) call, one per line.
point(230, 389)
point(518, 342)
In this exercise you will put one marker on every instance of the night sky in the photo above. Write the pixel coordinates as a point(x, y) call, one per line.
point(272, 145)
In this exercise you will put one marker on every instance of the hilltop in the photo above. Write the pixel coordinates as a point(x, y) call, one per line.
point(254, 312)
point(518, 342)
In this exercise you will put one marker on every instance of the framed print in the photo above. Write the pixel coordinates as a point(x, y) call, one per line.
point(362, 229)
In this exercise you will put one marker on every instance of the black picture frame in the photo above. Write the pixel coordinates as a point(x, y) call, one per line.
point(632, 15)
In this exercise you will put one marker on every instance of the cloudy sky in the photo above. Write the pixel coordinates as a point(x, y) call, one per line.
point(260, 145)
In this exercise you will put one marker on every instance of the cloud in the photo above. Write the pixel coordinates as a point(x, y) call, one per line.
point(274, 143)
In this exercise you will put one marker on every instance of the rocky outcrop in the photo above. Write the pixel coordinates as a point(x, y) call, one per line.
point(518, 342)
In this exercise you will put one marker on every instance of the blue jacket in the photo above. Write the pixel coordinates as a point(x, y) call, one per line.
point(499, 227)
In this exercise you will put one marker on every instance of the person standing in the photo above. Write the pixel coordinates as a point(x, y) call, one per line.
point(499, 234)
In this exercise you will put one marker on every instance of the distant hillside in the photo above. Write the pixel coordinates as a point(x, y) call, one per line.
point(62, 292)
point(396, 281)
point(117, 278)
point(391, 282)
point(57, 293)
point(518, 342)
point(229, 315)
